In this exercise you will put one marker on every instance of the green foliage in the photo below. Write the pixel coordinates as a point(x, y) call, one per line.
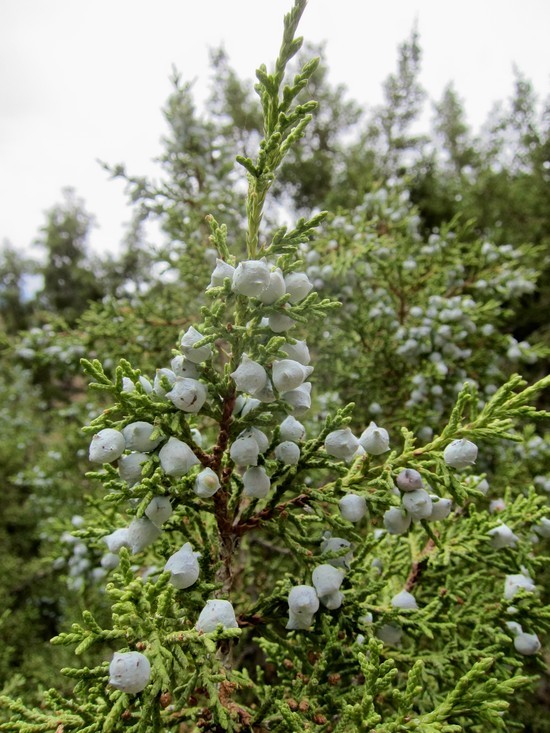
point(32, 593)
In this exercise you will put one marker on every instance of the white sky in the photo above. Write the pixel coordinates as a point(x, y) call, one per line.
point(81, 80)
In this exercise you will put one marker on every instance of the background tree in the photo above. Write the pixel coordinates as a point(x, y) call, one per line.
point(16, 273)
point(69, 278)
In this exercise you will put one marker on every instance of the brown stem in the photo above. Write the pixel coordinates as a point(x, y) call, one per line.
point(221, 497)
point(223, 436)
point(267, 513)
point(228, 539)
point(417, 567)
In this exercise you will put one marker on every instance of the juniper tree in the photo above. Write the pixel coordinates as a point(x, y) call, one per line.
point(68, 280)
point(389, 129)
point(421, 314)
point(450, 124)
point(270, 570)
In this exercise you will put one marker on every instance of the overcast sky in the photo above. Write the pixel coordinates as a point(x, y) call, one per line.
point(83, 80)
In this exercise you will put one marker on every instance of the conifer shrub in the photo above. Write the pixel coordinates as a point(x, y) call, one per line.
point(272, 562)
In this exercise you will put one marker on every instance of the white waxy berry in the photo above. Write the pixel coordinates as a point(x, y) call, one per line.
point(396, 521)
point(183, 367)
point(302, 605)
point(341, 444)
point(176, 457)
point(159, 510)
point(266, 394)
point(502, 536)
point(460, 454)
point(404, 600)
point(481, 484)
point(288, 374)
point(109, 561)
point(292, 429)
point(128, 385)
point(221, 271)
point(210, 255)
point(515, 583)
point(245, 451)
point(441, 508)
point(409, 480)
point(206, 483)
point(366, 619)
point(259, 436)
point(161, 376)
point(332, 601)
point(280, 322)
point(214, 614)
point(298, 285)
point(326, 579)
point(256, 482)
point(275, 289)
point(497, 505)
point(299, 399)
point(418, 504)
point(249, 376)
point(337, 544)
point(543, 527)
point(353, 507)
point(187, 346)
point(390, 634)
point(141, 533)
point(247, 405)
point(197, 437)
point(107, 446)
point(514, 627)
point(183, 567)
point(146, 384)
point(117, 539)
point(187, 394)
point(375, 440)
point(138, 436)
point(129, 672)
point(129, 467)
point(251, 278)
point(527, 644)
point(240, 401)
point(298, 351)
point(287, 452)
